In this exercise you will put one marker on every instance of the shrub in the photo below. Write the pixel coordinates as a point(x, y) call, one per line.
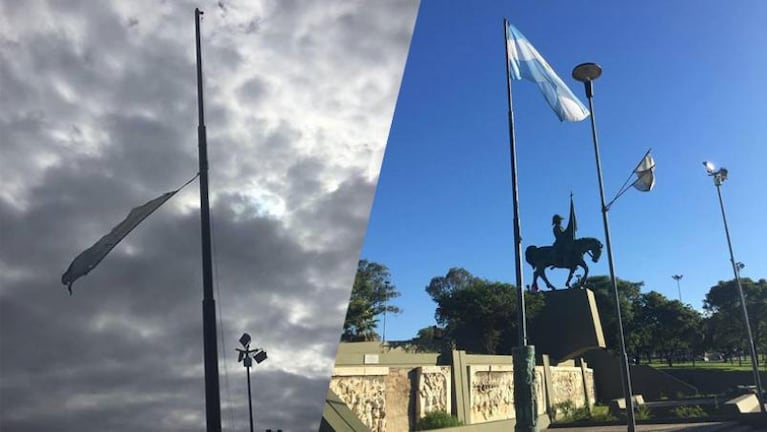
point(437, 420)
point(643, 413)
point(601, 413)
point(566, 412)
point(687, 411)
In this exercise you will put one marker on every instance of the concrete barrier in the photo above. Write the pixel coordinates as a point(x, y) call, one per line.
point(618, 406)
point(747, 403)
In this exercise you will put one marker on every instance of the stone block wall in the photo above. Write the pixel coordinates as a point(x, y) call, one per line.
point(568, 385)
point(363, 389)
point(392, 398)
point(434, 390)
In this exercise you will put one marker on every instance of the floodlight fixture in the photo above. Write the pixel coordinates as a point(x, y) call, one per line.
point(260, 356)
point(709, 167)
point(245, 340)
point(719, 175)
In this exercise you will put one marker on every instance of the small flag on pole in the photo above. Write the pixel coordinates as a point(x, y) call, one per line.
point(526, 63)
point(645, 178)
point(645, 172)
point(87, 260)
point(572, 223)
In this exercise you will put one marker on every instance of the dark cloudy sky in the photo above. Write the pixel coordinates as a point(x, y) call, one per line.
point(98, 115)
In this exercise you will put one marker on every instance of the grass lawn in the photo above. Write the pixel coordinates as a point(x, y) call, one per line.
point(717, 365)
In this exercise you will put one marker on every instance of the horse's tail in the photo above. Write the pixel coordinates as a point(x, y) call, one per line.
point(529, 254)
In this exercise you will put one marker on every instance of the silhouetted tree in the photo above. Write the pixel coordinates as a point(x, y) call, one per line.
point(430, 339)
point(370, 297)
point(725, 323)
point(478, 315)
point(668, 327)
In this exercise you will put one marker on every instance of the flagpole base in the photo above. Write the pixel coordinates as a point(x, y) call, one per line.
point(525, 393)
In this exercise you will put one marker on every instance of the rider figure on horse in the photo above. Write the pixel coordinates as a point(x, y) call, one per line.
point(563, 240)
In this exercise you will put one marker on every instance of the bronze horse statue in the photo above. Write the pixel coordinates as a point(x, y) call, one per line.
point(542, 257)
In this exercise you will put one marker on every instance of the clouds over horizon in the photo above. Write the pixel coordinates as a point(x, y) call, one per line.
point(98, 115)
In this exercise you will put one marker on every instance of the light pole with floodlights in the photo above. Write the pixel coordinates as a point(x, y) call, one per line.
point(719, 177)
point(587, 73)
point(677, 278)
point(244, 356)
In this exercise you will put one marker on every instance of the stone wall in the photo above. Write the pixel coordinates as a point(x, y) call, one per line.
point(434, 390)
point(398, 389)
point(392, 398)
point(363, 389)
point(491, 393)
point(568, 385)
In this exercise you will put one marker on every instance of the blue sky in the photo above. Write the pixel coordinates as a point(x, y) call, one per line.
point(683, 78)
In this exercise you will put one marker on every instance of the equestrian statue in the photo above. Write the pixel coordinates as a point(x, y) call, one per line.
point(567, 252)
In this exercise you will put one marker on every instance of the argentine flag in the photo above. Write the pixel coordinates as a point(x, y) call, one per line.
point(526, 63)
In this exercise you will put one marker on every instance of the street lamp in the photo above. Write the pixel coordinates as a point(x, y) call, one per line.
point(244, 356)
point(740, 266)
point(587, 73)
point(677, 278)
point(720, 176)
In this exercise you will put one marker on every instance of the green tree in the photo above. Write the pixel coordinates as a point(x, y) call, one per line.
point(429, 339)
point(478, 315)
point(669, 327)
point(727, 331)
point(371, 295)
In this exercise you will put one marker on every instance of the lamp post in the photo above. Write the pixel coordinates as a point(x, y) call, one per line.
point(677, 278)
point(244, 356)
point(719, 177)
point(587, 73)
point(740, 266)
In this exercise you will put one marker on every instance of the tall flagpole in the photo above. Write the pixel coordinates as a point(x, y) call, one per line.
point(210, 349)
point(521, 322)
point(523, 355)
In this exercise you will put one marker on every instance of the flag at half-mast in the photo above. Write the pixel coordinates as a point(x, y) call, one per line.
point(525, 62)
point(88, 259)
point(645, 172)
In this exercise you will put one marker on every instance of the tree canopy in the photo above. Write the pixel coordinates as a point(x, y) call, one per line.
point(628, 295)
point(371, 295)
point(666, 327)
point(478, 315)
point(726, 327)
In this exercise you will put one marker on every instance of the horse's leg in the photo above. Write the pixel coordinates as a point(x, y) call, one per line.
point(585, 271)
point(545, 279)
point(534, 285)
point(570, 276)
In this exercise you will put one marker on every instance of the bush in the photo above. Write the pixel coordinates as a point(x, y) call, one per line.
point(601, 413)
point(687, 411)
point(643, 413)
point(566, 412)
point(437, 420)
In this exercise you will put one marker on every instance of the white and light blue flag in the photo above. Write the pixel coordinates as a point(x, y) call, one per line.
point(526, 63)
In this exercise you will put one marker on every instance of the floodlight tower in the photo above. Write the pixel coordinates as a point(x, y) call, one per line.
point(677, 278)
point(244, 356)
point(719, 177)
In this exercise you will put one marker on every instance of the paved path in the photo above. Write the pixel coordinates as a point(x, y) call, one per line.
point(689, 427)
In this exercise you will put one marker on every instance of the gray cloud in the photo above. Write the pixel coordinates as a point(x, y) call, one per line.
point(98, 115)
